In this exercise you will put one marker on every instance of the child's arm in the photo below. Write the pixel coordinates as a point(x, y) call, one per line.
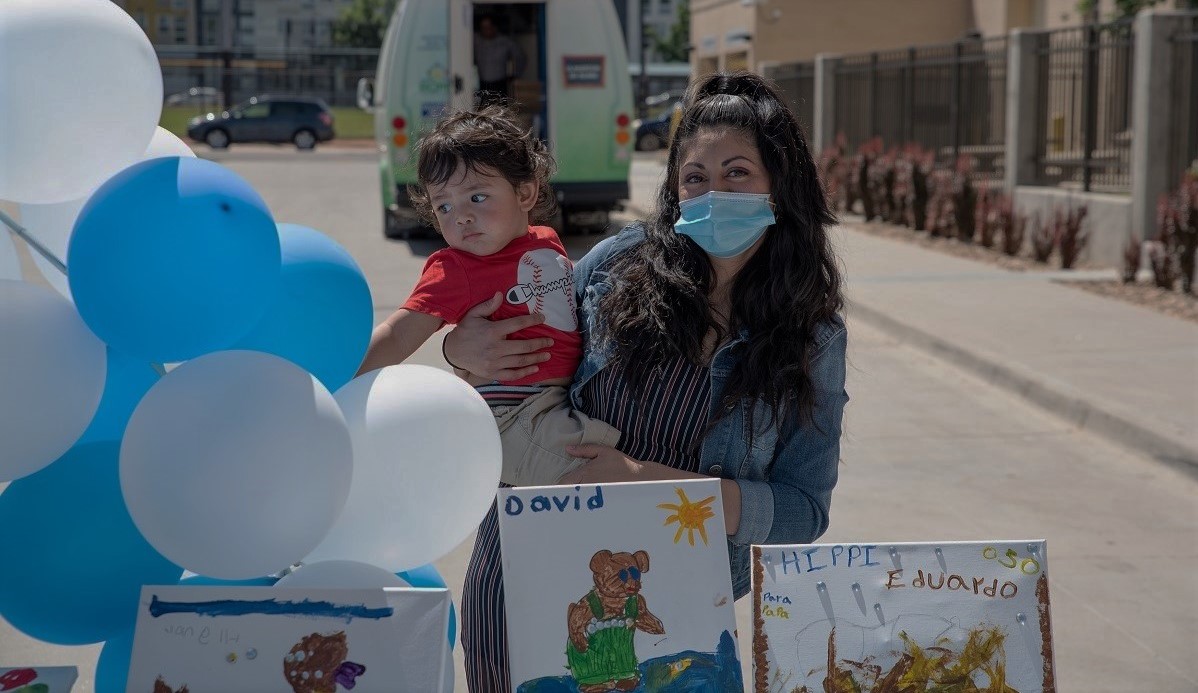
point(398, 337)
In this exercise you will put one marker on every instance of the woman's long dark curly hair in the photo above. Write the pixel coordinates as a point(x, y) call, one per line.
point(659, 306)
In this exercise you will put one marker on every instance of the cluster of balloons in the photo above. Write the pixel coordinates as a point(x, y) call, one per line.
point(184, 396)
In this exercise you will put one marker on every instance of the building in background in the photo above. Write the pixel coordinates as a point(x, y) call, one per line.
point(303, 24)
point(751, 34)
point(166, 22)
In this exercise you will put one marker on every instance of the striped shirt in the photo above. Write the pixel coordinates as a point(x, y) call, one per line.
point(661, 420)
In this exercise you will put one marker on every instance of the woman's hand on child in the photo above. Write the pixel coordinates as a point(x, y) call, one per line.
point(480, 345)
point(605, 465)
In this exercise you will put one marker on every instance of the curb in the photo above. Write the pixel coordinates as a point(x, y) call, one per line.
point(1056, 398)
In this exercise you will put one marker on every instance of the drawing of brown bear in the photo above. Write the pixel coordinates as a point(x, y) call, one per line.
point(599, 651)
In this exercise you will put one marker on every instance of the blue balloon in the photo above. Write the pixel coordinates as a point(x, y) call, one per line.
point(322, 316)
point(76, 563)
point(173, 258)
point(427, 576)
point(112, 669)
point(127, 382)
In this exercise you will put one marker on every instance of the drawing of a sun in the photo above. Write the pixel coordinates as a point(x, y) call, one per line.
point(689, 516)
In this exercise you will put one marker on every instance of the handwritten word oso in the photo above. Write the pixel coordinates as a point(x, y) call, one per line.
point(820, 557)
point(976, 585)
point(559, 503)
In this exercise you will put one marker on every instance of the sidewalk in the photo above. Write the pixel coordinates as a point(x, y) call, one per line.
point(1122, 371)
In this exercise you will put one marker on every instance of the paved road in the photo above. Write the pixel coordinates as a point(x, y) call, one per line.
point(929, 453)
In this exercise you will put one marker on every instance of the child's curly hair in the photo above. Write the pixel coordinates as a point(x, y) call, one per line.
point(488, 138)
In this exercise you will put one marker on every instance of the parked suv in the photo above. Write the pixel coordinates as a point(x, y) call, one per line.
point(304, 121)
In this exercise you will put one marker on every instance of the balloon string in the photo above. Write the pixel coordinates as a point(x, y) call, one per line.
point(53, 260)
point(33, 243)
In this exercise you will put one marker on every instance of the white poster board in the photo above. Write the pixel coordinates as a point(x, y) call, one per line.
point(269, 639)
point(37, 679)
point(618, 586)
point(902, 617)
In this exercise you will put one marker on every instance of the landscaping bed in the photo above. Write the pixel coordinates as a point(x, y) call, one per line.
point(1143, 293)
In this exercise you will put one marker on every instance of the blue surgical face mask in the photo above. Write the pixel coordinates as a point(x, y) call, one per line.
point(725, 224)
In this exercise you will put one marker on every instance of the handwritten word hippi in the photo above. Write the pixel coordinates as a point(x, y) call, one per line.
point(953, 582)
point(820, 557)
point(561, 503)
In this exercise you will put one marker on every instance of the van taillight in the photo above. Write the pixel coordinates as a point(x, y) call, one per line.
point(400, 138)
point(326, 118)
point(622, 136)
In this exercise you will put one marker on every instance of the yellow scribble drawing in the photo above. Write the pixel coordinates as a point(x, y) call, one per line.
point(689, 516)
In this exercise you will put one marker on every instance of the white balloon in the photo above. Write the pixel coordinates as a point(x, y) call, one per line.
point(52, 371)
point(84, 102)
point(341, 575)
point(236, 464)
point(426, 467)
point(10, 264)
point(51, 224)
point(165, 143)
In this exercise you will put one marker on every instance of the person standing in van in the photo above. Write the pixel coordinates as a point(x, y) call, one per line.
point(713, 341)
point(499, 60)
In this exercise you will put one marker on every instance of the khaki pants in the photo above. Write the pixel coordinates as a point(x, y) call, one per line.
point(535, 434)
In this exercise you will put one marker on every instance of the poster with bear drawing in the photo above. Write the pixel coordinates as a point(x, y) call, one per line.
point(219, 639)
point(618, 587)
point(970, 617)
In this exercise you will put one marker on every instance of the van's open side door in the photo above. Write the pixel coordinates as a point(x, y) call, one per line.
point(463, 78)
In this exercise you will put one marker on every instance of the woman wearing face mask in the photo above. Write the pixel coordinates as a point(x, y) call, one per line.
point(713, 340)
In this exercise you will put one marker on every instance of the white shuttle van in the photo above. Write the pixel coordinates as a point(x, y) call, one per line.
point(574, 92)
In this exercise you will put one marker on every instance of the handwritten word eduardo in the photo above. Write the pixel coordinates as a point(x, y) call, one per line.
point(820, 557)
point(562, 503)
point(977, 585)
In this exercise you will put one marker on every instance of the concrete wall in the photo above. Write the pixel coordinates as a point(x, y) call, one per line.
point(1108, 219)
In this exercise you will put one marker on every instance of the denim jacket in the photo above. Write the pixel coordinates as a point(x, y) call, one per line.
point(787, 472)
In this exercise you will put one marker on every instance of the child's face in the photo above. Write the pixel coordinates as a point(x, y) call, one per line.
point(480, 212)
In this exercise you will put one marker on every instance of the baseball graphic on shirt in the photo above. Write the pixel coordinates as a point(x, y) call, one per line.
point(546, 285)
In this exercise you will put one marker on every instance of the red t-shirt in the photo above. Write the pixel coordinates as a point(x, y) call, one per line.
point(533, 274)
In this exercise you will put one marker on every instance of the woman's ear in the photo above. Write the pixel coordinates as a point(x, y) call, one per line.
point(526, 195)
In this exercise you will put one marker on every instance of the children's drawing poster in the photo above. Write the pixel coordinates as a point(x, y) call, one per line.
point(618, 587)
point(951, 616)
point(289, 640)
point(37, 679)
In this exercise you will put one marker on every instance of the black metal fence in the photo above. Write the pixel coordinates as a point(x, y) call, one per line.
point(1084, 135)
point(797, 82)
point(1184, 124)
point(950, 98)
point(330, 74)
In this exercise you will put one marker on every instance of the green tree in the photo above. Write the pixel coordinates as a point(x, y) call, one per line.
point(363, 23)
point(1125, 9)
point(674, 46)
